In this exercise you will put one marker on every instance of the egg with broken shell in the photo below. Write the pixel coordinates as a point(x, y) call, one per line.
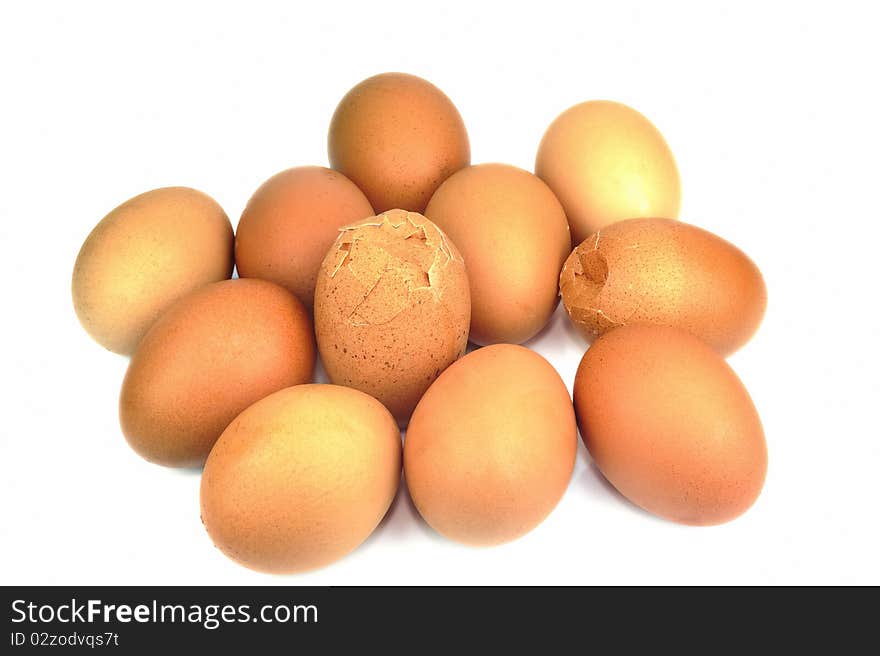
point(664, 273)
point(392, 308)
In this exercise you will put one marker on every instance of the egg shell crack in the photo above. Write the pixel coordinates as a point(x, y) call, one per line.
point(396, 264)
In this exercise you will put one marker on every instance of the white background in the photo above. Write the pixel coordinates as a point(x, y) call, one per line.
point(772, 113)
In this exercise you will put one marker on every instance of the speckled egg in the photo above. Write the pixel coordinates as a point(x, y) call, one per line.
point(392, 308)
point(666, 273)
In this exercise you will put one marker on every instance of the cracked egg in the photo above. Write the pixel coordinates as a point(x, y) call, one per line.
point(666, 273)
point(392, 308)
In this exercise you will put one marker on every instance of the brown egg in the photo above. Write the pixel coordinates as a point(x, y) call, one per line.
point(397, 137)
point(670, 425)
point(143, 256)
point(513, 236)
point(289, 224)
point(664, 272)
point(491, 446)
point(215, 352)
point(606, 162)
point(301, 478)
point(392, 308)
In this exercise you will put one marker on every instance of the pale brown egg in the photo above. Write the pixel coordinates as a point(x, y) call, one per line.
point(491, 446)
point(291, 221)
point(397, 137)
point(392, 308)
point(667, 273)
point(606, 162)
point(301, 478)
point(143, 256)
point(513, 235)
point(212, 354)
point(670, 425)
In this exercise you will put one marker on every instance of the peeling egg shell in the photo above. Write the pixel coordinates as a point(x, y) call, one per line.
point(670, 425)
point(512, 233)
point(301, 478)
point(291, 221)
point(667, 273)
point(144, 255)
point(491, 446)
point(606, 162)
point(210, 356)
point(397, 137)
point(392, 308)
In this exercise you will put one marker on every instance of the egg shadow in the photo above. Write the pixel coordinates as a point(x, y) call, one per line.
point(559, 317)
point(188, 471)
point(319, 373)
point(571, 331)
point(403, 518)
point(597, 486)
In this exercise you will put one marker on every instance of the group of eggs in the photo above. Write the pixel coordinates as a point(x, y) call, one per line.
point(389, 263)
